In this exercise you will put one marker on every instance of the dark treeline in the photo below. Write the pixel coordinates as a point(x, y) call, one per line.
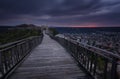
point(53, 31)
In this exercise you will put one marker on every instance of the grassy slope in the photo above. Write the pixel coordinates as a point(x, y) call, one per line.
point(17, 34)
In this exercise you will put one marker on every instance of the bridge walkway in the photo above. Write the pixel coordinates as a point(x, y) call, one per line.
point(49, 60)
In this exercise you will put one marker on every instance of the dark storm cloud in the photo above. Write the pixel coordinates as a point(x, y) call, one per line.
point(64, 12)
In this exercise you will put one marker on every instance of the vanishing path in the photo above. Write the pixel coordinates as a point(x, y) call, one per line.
point(48, 61)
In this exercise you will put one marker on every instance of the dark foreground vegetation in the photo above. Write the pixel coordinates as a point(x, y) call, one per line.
point(19, 32)
point(53, 31)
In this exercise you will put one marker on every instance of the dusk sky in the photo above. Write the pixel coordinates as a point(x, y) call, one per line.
point(75, 13)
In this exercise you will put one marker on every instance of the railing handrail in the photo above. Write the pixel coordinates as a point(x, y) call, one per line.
point(94, 62)
point(105, 52)
point(12, 54)
point(102, 51)
point(15, 42)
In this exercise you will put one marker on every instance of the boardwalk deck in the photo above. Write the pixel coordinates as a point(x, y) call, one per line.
point(48, 61)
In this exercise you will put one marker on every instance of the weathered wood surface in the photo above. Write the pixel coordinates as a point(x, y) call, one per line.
point(49, 61)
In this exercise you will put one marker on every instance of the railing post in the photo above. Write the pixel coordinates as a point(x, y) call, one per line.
point(105, 69)
point(96, 63)
point(12, 54)
point(1, 65)
point(114, 69)
point(77, 48)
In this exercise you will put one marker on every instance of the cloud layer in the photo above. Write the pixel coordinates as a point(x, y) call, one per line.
point(61, 12)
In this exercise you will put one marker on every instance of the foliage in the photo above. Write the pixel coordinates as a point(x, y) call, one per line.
point(17, 34)
point(53, 31)
point(101, 63)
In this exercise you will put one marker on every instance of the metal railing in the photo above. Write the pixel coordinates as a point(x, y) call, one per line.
point(13, 53)
point(98, 65)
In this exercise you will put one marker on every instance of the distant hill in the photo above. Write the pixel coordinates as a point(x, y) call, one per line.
point(26, 25)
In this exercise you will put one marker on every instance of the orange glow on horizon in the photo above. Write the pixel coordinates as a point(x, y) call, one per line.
point(87, 26)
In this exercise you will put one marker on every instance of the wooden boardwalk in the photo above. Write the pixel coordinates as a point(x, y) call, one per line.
point(48, 61)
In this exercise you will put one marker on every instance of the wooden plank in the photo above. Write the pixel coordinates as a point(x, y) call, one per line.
point(48, 61)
